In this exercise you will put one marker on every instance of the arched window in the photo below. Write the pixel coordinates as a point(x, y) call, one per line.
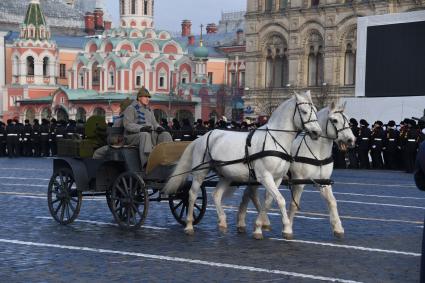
point(315, 66)
point(315, 3)
point(111, 81)
point(46, 113)
point(95, 74)
point(162, 79)
point(185, 77)
point(99, 112)
point(61, 114)
point(185, 114)
point(81, 79)
point(81, 114)
point(159, 114)
point(269, 5)
point(140, 79)
point(145, 7)
point(269, 69)
point(350, 65)
point(277, 67)
point(133, 7)
point(46, 67)
point(315, 59)
point(30, 114)
point(30, 66)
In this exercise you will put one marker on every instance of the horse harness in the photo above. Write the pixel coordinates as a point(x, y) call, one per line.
point(248, 159)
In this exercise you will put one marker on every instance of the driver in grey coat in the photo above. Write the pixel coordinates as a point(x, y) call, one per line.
point(141, 127)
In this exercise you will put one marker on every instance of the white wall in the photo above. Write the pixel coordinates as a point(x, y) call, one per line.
point(384, 108)
point(2, 70)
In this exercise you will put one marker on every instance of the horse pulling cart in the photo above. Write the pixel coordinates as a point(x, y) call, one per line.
point(128, 188)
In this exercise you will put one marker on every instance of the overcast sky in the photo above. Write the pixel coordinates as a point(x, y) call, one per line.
point(170, 13)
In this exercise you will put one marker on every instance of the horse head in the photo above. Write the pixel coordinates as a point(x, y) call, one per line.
point(305, 115)
point(338, 127)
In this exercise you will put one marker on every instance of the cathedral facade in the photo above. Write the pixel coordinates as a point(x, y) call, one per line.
point(67, 77)
point(306, 44)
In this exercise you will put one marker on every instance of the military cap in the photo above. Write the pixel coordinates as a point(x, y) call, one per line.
point(379, 123)
point(353, 122)
point(143, 92)
point(363, 122)
point(411, 122)
point(391, 123)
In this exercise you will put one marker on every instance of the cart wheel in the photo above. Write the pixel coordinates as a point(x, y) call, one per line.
point(63, 197)
point(129, 201)
point(108, 199)
point(179, 205)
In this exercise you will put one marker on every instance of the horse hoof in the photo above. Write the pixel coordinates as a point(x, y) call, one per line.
point(189, 232)
point(288, 236)
point(339, 235)
point(258, 236)
point(242, 230)
point(222, 229)
point(266, 227)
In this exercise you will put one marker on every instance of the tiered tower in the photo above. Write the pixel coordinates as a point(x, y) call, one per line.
point(34, 53)
point(137, 14)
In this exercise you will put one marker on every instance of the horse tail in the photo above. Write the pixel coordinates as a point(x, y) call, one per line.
point(180, 173)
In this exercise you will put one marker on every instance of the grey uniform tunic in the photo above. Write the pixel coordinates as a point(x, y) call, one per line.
point(137, 116)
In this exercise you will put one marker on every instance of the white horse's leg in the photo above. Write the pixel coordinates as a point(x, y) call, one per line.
point(272, 192)
point(297, 191)
point(217, 196)
point(249, 193)
point(327, 194)
point(193, 194)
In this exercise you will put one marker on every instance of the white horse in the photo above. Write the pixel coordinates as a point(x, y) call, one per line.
point(336, 128)
point(211, 150)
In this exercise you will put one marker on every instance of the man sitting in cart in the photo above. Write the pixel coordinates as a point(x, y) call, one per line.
point(141, 127)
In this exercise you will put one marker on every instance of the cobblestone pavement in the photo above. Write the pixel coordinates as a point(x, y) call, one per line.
point(382, 213)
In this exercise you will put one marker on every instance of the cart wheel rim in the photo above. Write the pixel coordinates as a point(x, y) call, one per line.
point(179, 205)
point(129, 201)
point(64, 199)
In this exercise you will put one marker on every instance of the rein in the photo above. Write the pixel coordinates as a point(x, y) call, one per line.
point(248, 159)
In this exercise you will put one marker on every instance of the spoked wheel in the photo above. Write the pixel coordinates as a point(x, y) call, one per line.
point(179, 205)
point(108, 199)
point(63, 198)
point(129, 201)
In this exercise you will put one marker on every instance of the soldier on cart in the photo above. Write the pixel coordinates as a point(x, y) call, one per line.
point(141, 128)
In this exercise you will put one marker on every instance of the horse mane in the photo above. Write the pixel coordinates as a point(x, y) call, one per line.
point(277, 113)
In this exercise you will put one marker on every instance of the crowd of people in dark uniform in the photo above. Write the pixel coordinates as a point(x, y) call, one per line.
point(380, 146)
point(388, 146)
point(35, 140)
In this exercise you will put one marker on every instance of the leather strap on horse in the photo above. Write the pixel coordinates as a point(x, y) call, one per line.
point(312, 161)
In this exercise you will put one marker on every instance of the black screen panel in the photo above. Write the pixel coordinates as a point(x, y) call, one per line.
point(395, 60)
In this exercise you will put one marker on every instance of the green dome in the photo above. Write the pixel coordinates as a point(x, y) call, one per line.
point(201, 52)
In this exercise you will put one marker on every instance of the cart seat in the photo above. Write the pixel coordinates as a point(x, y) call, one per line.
point(165, 154)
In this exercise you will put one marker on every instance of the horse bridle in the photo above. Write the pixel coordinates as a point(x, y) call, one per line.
point(345, 126)
point(310, 120)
